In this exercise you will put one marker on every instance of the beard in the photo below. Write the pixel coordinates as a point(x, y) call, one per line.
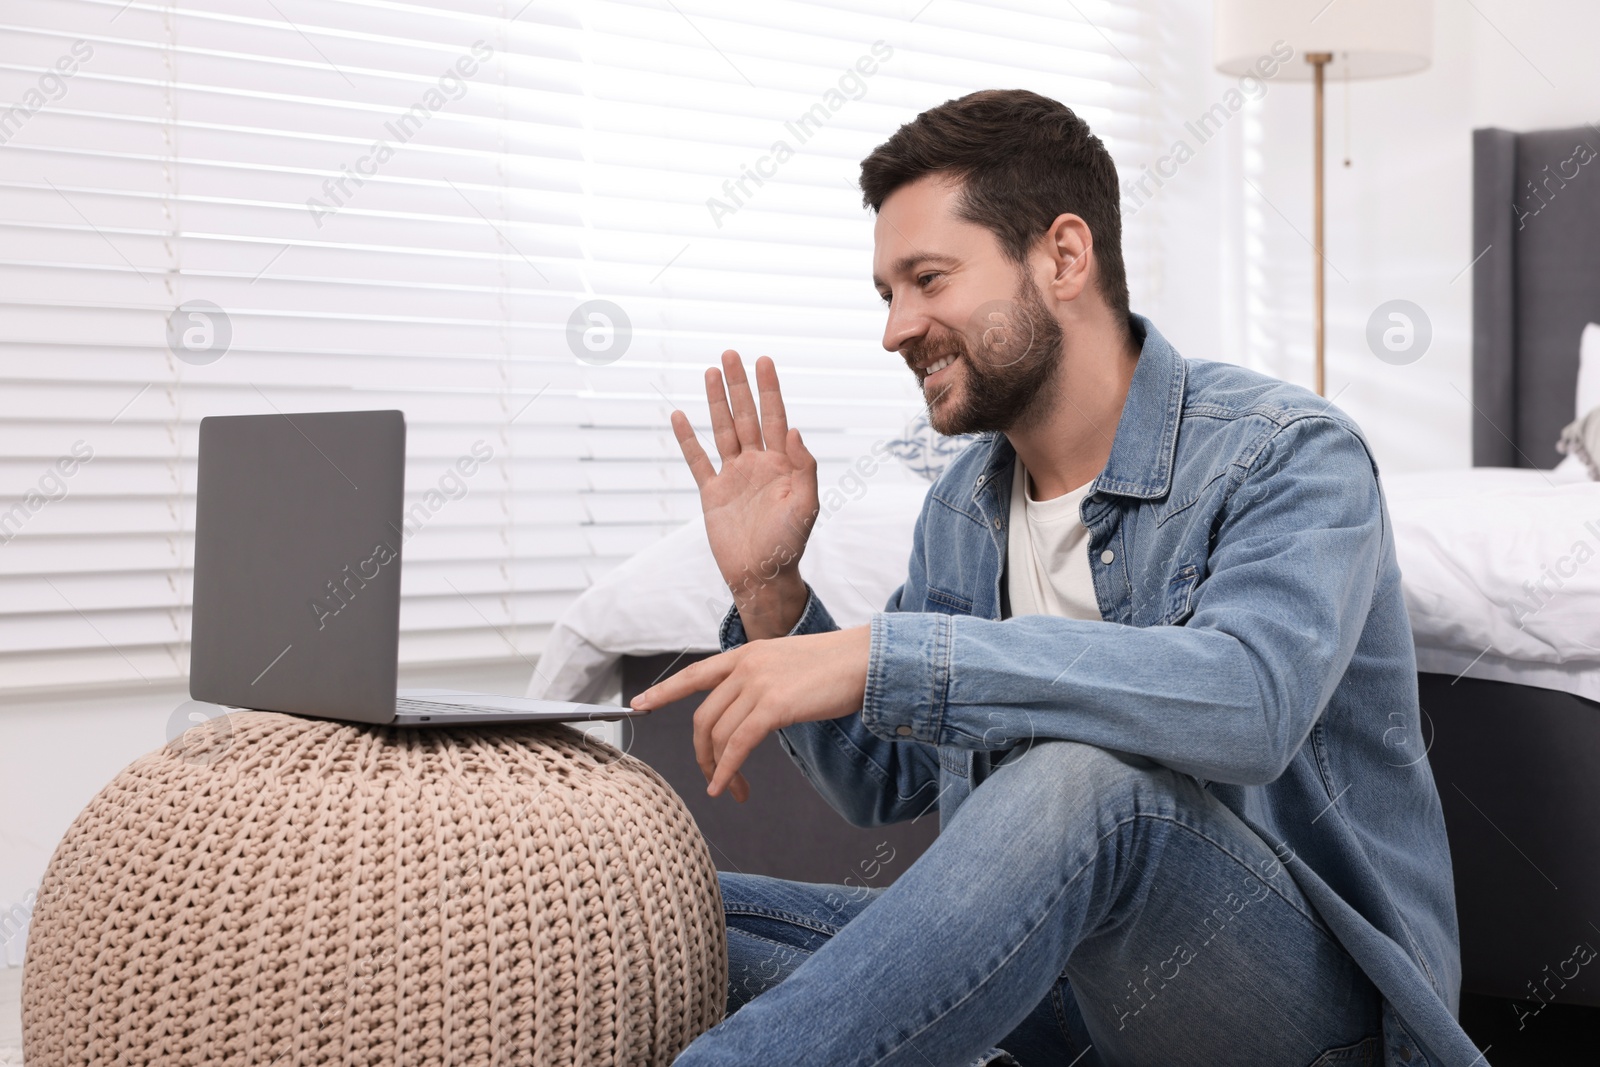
point(1009, 372)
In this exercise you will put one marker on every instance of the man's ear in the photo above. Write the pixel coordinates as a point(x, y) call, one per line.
point(1070, 249)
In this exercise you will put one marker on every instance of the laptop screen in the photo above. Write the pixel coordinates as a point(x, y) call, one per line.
point(298, 529)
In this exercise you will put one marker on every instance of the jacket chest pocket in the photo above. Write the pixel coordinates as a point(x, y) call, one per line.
point(1180, 596)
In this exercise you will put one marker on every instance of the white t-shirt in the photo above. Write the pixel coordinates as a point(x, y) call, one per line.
point(1047, 554)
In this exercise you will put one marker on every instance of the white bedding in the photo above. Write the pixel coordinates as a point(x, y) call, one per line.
point(1501, 572)
point(1467, 541)
point(670, 597)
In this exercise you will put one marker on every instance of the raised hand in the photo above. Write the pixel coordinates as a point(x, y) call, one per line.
point(760, 506)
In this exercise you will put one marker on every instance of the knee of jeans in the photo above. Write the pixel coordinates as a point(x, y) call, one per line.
point(1073, 779)
point(739, 888)
point(817, 905)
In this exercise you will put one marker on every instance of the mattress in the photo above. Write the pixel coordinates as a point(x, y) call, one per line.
point(1500, 568)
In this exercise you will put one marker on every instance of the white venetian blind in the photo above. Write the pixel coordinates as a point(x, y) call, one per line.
point(248, 206)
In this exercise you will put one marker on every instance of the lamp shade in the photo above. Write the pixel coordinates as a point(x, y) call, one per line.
point(1368, 38)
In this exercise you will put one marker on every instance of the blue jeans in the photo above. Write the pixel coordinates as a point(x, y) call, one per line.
point(1081, 907)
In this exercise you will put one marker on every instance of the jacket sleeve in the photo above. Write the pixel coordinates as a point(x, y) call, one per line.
point(1231, 695)
point(869, 780)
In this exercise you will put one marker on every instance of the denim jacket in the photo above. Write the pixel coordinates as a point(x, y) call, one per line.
point(1252, 635)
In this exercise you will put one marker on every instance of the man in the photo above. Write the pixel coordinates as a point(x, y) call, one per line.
point(1151, 660)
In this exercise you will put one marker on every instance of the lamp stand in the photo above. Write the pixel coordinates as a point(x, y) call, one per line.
point(1318, 61)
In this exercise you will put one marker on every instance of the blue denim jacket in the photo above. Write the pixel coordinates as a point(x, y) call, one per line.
point(1252, 635)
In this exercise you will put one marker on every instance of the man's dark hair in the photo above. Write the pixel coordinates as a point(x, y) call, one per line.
point(1022, 159)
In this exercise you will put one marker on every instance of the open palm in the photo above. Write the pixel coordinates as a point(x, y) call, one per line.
point(760, 506)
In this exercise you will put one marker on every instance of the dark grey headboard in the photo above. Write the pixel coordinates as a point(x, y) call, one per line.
point(1536, 208)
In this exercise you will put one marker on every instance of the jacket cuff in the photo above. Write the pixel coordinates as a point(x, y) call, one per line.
point(814, 619)
point(908, 676)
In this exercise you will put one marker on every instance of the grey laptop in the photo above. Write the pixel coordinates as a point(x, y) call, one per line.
point(298, 537)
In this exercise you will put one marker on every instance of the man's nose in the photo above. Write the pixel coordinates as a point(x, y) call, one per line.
point(904, 325)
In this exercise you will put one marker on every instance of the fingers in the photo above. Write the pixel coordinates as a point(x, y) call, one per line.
point(735, 421)
point(724, 723)
point(695, 456)
point(745, 422)
point(724, 709)
point(706, 674)
point(740, 743)
point(706, 717)
point(721, 418)
point(710, 674)
point(735, 732)
point(774, 420)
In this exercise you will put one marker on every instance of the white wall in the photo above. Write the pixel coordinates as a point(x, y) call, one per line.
point(1398, 219)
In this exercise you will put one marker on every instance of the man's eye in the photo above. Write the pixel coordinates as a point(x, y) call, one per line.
point(884, 297)
point(921, 277)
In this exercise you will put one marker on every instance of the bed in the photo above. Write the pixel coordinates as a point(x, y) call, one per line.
point(1511, 695)
point(1516, 744)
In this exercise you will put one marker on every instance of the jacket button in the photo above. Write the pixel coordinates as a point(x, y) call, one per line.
point(1107, 556)
point(997, 522)
point(903, 731)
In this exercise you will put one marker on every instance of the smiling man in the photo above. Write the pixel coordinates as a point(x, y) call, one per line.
point(1150, 661)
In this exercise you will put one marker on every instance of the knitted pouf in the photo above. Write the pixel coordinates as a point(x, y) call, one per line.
point(302, 892)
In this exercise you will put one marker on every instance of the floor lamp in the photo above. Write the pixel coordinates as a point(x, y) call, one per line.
point(1348, 38)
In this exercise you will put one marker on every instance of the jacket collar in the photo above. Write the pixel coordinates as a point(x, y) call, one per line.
point(1142, 451)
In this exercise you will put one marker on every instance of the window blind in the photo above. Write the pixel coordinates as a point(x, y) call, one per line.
point(529, 226)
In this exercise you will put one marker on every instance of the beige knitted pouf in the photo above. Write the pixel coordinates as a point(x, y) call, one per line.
point(294, 892)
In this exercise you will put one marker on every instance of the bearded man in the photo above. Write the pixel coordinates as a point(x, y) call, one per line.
point(1149, 660)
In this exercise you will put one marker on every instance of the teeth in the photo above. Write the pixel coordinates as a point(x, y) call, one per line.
point(941, 365)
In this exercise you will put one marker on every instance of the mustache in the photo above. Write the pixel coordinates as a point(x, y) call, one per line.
point(920, 352)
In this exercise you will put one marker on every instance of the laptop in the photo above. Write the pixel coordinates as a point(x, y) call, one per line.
point(299, 533)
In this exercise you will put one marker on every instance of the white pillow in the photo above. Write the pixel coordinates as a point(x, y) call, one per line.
point(1587, 397)
point(1571, 469)
point(926, 451)
point(670, 596)
point(1588, 371)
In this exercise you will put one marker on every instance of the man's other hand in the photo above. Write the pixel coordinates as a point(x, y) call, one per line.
point(761, 687)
